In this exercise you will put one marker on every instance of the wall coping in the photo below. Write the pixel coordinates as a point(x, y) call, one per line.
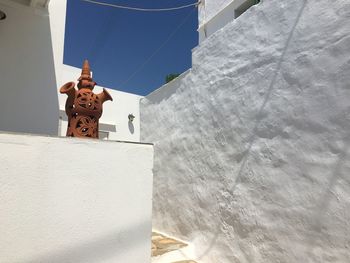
point(72, 138)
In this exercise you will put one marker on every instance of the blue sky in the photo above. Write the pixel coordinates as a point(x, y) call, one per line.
point(117, 42)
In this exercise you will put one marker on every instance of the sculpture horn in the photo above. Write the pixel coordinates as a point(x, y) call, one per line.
point(68, 89)
point(105, 96)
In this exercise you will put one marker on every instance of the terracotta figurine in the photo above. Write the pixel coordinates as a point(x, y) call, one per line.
point(83, 106)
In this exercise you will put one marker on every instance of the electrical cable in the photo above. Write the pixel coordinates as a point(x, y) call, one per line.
point(142, 9)
point(158, 49)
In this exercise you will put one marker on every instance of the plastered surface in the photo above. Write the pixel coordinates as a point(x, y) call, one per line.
point(65, 200)
point(209, 8)
point(252, 145)
point(28, 101)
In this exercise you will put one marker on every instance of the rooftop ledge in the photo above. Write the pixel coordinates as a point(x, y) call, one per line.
point(75, 200)
point(234, 5)
point(74, 138)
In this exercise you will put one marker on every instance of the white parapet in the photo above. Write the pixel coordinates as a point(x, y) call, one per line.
point(215, 14)
point(74, 200)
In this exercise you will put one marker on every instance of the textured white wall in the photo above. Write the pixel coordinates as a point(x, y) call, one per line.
point(28, 102)
point(252, 146)
point(74, 200)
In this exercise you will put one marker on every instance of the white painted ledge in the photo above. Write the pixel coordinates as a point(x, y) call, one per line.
point(74, 200)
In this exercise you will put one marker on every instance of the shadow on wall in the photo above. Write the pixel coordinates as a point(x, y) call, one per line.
point(100, 249)
point(266, 99)
point(131, 127)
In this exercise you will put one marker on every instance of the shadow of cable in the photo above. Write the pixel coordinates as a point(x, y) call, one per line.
point(100, 249)
point(252, 138)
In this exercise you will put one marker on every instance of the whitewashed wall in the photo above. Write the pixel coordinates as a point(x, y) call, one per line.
point(28, 101)
point(252, 145)
point(57, 12)
point(74, 200)
point(209, 8)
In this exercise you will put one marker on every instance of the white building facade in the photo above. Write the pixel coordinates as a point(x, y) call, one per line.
point(28, 101)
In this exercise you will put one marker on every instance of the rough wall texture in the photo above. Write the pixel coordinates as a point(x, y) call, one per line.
point(252, 145)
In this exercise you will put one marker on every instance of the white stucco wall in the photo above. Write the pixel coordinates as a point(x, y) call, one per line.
point(252, 146)
point(74, 200)
point(209, 8)
point(28, 102)
point(57, 11)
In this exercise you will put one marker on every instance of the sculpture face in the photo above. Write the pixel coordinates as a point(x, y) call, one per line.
point(83, 106)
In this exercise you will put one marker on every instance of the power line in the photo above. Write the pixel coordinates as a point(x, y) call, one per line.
point(142, 9)
point(158, 49)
